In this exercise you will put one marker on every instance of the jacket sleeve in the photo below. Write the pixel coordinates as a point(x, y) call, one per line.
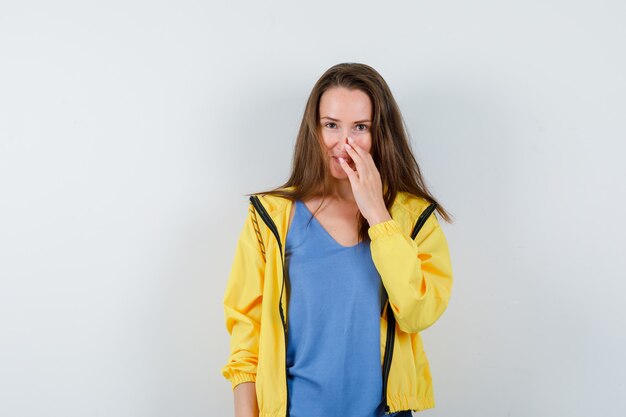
point(417, 274)
point(242, 304)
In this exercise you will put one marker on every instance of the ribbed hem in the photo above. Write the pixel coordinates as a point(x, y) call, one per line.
point(407, 402)
point(386, 228)
point(281, 412)
point(239, 377)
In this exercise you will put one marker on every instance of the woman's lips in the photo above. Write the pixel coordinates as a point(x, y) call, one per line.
point(346, 158)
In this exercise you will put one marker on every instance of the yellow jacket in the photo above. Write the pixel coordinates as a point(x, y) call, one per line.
point(416, 274)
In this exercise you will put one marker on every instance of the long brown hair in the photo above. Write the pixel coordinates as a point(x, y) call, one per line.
point(391, 150)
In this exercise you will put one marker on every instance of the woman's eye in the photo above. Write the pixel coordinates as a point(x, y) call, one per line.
point(329, 123)
point(364, 126)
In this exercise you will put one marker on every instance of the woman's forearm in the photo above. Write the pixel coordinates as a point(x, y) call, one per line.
point(245, 400)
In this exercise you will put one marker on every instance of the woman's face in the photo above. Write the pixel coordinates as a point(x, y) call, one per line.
point(344, 113)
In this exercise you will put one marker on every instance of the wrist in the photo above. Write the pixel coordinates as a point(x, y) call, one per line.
point(379, 218)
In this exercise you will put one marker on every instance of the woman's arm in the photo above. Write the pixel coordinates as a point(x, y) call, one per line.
point(243, 304)
point(245, 400)
point(417, 274)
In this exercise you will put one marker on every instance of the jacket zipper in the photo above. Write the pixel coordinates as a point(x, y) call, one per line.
point(391, 327)
point(391, 319)
point(270, 223)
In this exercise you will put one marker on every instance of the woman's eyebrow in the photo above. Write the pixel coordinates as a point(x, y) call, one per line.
point(337, 120)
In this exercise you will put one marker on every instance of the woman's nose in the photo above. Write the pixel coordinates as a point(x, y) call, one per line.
point(343, 138)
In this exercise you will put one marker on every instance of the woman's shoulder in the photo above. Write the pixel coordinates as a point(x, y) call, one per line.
point(412, 207)
point(274, 202)
point(411, 202)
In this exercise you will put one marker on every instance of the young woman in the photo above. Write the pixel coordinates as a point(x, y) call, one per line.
point(337, 271)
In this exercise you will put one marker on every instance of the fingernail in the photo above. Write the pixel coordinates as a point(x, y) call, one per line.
point(350, 140)
point(346, 146)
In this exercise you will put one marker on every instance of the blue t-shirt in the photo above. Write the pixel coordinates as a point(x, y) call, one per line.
point(334, 363)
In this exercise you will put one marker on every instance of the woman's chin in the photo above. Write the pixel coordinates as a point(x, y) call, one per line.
point(339, 174)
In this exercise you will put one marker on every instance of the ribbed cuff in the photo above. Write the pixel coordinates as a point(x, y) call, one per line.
point(386, 228)
point(240, 377)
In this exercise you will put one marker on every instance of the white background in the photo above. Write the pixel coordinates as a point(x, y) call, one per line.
point(130, 131)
